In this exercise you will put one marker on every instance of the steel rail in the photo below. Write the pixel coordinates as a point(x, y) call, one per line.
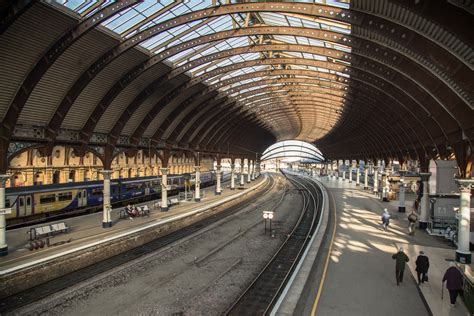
point(260, 295)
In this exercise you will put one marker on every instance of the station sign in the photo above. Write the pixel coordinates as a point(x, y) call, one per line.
point(5, 211)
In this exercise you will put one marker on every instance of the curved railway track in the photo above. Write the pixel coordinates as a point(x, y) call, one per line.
point(26, 297)
point(263, 292)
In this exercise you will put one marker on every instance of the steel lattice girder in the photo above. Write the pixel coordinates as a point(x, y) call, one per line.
point(267, 29)
point(240, 65)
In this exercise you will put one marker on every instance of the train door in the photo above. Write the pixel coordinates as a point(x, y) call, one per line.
point(25, 203)
point(82, 198)
point(147, 188)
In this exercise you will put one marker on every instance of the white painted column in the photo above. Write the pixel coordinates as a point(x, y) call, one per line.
point(164, 189)
point(253, 171)
point(249, 176)
point(463, 255)
point(3, 211)
point(218, 180)
point(337, 169)
point(358, 175)
point(343, 176)
point(232, 177)
point(386, 183)
point(425, 200)
point(376, 180)
point(350, 174)
point(197, 184)
point(242, 175)
point(366, 178)
point(401, 196)
point(106, 219)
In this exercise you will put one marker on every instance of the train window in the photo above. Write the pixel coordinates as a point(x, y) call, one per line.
point(22, 202)
point(65, 196)
point(79, 194)
point(28, 201)
point(96, 191)
point(49, 198)
point(7, 203)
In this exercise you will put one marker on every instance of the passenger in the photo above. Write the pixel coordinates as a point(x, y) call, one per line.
point(129, 210)
point(401, 259)
point(412, 218)
point(454, 282)
point(134, 210)
point(385, 219)
point(422, 266)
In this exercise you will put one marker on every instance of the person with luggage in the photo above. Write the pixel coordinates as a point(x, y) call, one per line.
point(412, 218)
point(422, 266)
point(385, 219)
point(401, 259)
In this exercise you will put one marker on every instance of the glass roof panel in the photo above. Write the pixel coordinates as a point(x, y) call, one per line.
point(148, 13)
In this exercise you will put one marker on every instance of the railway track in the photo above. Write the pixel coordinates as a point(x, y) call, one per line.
point(39, 292)
point(263, 292)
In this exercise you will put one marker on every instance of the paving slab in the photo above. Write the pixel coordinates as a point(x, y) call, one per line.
point(361, 275)
point(87, 229)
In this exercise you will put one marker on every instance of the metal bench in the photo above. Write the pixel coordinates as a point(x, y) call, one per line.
point(142, 211)
point(47, 230)
point(173, 201)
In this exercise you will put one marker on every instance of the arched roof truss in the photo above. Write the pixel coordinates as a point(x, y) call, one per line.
point(365, 78)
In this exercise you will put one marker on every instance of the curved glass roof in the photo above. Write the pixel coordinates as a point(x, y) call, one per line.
point(293, 149)
point(306, 71)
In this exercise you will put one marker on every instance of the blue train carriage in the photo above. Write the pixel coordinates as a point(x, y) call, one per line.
point(35, 200)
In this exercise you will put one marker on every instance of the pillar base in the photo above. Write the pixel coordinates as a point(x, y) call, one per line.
point(463, 257)
point(248, 181)
point(357, 184)
point(232, 188)
point(350, 181)
point(106, 224)
point(3, 251)
point(402, 209)
point(197, 199)
point(423, 225)
point(366, 188)
point(218, 193)
point(385, 199)
point(164, 209)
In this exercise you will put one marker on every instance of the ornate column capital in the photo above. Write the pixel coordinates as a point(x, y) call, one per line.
point(197, 168)
point(3, 179)
point(425, 176)
point(164, 171)
point(465, 185)
point(107, 173)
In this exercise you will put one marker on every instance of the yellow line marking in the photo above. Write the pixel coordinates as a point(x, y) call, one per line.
point(321, 284)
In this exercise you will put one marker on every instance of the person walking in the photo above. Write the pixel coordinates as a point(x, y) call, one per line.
point(454, 282)
point(401, 259)
point(385, 219)
point(412, 218)
point(422, 266)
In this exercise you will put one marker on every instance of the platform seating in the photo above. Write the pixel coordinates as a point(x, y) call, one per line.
point(142, 211)
point(47, 230)
point(173, 201)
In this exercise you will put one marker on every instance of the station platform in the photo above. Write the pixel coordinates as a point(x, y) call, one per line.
point(86, 231)
point(360, 277)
